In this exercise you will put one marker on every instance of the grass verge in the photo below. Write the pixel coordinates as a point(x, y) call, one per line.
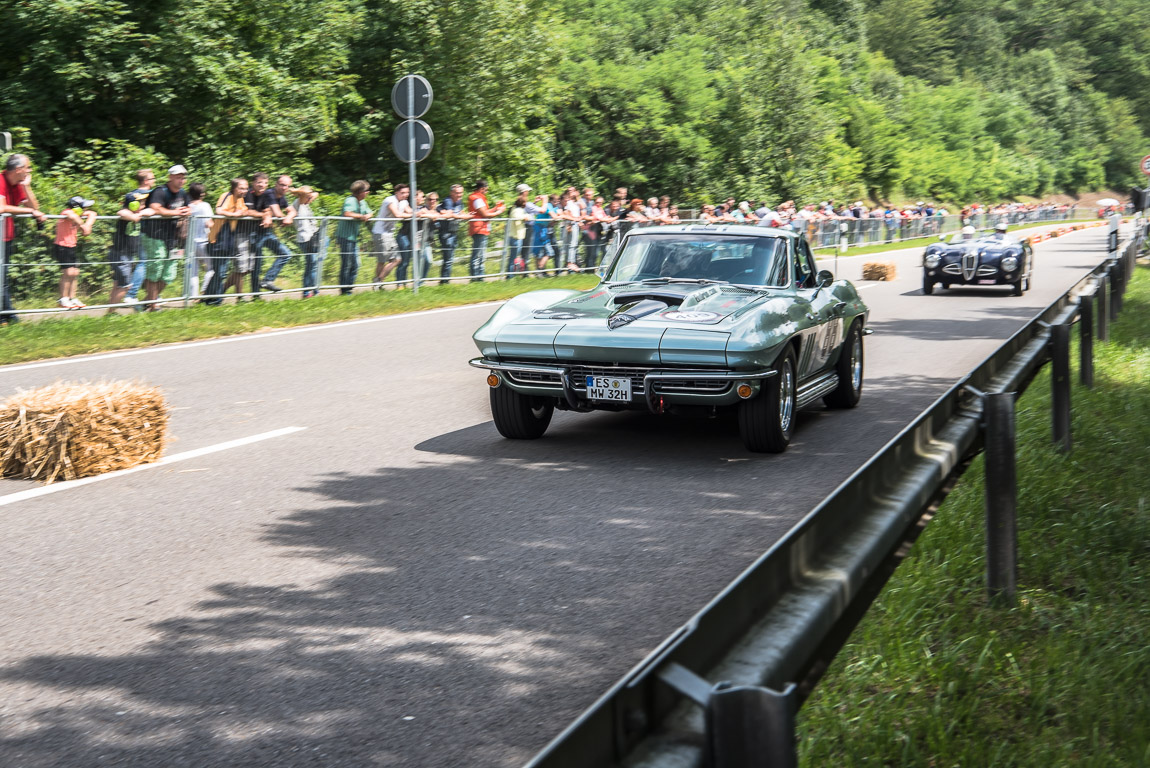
point(933, 676)
point(64, 336)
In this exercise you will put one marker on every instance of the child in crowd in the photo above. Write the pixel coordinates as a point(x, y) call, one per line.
point(78, 217)
point(308, 235)
point(201, 219)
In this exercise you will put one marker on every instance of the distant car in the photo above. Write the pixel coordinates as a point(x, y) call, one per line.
point(686, 317)
point(996, 258)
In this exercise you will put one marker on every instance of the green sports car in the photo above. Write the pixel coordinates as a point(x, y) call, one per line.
point(685, 318)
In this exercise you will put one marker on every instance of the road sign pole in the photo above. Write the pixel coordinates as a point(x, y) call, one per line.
point(411, 194)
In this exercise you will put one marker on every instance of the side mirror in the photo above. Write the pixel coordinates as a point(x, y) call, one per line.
point(824, 278)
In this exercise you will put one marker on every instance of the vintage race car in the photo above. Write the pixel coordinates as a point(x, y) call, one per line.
point(996, 258)
point(685, 318)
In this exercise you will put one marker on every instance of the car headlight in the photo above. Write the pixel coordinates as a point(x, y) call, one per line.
point(931, 260)
point(1009, 264)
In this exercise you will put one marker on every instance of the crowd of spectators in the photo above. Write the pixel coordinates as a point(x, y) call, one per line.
point(546, 233)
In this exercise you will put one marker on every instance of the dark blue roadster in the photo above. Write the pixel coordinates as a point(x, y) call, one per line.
point(995, 258)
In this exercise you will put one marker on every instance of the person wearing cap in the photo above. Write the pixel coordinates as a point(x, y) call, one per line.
point(479, 228)
point(16, 199)
point(160, 234)
point(125, 256)
point(76, 218)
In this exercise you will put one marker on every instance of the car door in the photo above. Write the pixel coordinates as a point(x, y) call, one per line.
point(823, 332)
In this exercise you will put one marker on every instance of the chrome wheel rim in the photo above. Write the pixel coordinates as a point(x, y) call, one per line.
point(786, 396)
point(856, 363)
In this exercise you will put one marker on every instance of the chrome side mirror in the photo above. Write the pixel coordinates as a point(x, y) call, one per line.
point(824, 278)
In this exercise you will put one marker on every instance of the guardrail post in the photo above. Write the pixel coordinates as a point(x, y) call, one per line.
point(751, 727)
point(1060, 384)
point(1001, 497)
point(1115, 290)
point(1086, 340)
point(1103, 294)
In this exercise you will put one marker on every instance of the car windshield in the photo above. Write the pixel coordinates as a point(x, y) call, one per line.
point(738, 259)
point(996, 237)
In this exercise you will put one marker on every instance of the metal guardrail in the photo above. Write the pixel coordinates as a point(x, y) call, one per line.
point(776, 627)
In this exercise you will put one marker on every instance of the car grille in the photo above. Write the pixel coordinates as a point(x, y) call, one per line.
point(986, 270)
point(969, 264)
point(535, 378)
point(710, 386)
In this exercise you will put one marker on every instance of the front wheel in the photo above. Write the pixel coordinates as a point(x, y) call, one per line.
point(850, 371)
point(520, 417)
point(927, 286)
point(766, 422)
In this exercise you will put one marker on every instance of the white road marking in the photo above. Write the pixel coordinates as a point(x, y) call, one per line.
point(238, 337)
point(34, 493)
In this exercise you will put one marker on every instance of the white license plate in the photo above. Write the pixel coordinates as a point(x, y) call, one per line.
point(608, 388)
point(990, 281)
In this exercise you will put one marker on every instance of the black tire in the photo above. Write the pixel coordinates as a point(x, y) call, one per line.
point(767, 422)
point(1016, 288)
point(520, 417)
point(927, 286)
point(850, 370)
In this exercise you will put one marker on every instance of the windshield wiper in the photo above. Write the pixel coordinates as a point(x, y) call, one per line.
point(696, 280)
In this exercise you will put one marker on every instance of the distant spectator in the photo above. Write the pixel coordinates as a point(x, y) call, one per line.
point(572, 215)
point(428, 212)
point(411, 247)
point(383, 232)
point(543, 245)
point(309, 238)
point(479, 228)
point(532, 209)
point(356, 211)
point(14, 199)
point(161, 236)
point(450, 212)
point(201, 219)
point(77, 219)
point(228, 243)
point(632, 216)
point(517, 233)
point(274, 204)
point(128, 267)
point(673, 215)
point(613, 212)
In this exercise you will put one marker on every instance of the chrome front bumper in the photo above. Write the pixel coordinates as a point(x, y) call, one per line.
point(558, 381)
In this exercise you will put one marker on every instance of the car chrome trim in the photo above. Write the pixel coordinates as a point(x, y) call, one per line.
point(813, 390)
point(669, 377)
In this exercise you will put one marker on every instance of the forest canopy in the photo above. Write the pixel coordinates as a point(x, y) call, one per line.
point(804, 99)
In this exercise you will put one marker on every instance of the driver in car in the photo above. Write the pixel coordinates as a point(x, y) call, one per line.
point(679, 265)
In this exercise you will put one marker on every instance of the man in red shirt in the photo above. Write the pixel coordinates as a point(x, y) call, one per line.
point(13, 198)
point(479, 229)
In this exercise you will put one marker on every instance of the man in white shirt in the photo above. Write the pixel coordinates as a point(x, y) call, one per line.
point(387, 256)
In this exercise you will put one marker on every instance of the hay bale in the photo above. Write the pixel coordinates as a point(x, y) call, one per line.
point(69, 430)
point(878, 270)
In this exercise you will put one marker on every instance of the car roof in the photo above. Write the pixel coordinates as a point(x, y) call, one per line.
point(713, 229)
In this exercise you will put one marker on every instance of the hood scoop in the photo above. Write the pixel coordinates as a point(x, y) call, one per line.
point(629, 313)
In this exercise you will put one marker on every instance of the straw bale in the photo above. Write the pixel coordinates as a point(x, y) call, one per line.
point(878, 270)
point(68, 430)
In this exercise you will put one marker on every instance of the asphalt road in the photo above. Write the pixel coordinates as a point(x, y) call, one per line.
point(395, 584)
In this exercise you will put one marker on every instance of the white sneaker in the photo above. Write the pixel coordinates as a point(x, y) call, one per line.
point(130, 300)
point(77, 304)
point(65, 302)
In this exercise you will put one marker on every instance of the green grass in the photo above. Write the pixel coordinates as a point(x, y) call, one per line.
point(63, 336)
point(825, 251)
point(934, 676)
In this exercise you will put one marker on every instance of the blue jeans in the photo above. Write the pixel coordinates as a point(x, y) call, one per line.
point(513, 246)
point(447, 242)
point(478, 253)
point(312, 262)
point(5, 293)
point(348, 262)
point(267, 239)
point(138, 274)
point(404, 242)
point(542, 247)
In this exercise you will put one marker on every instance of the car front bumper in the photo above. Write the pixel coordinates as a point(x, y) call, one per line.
point(657, 387)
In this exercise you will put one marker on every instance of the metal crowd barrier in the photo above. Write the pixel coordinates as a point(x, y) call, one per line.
point(342, 255)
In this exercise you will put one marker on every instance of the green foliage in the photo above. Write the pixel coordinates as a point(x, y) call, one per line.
point(758, 98)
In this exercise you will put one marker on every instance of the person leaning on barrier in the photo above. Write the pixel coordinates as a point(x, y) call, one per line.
point(356, 211)
point(309, 238)
point(161, 234)
point(447, 229)
point(275, 200)
point(125, 257)
point(201, 219)
point(479, 228)
point(224, 236)
point(75, 219)
point(15, 199)
point(383, 231)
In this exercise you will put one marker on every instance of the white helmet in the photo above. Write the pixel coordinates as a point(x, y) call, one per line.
point(1001, 226)
point(968, 232)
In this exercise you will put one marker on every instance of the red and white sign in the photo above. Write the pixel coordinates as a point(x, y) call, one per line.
point(1145, 164)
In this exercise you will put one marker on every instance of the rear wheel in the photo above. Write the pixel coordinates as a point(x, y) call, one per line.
point(766, 422)
point(850, 371)
point(520, 417)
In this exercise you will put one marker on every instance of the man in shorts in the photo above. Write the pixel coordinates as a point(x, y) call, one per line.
point(160, 234)
point(384, 243)
point(14, 199)
point(125, 251)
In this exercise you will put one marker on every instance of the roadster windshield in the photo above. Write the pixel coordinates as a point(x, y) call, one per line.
point(740, 259)
point(958, 238)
